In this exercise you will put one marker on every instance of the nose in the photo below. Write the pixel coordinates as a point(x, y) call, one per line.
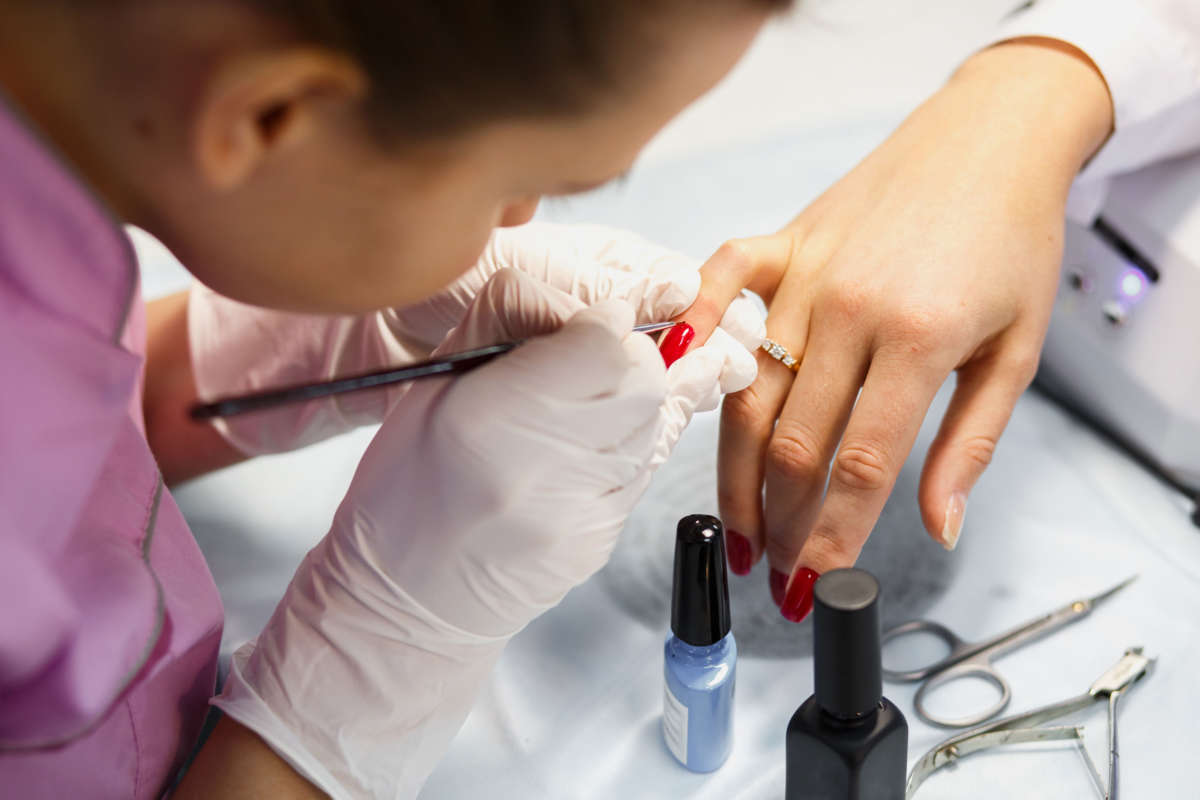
point(520, 212)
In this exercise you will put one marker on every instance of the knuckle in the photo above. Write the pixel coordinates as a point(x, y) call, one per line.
point(861, 466)
point(826, 548)
point(736, 255)
point(920, 331)
point(794, 456)
point(979, 449)
point(747, 410)
point(732, 501)
point(849, 300)
point(704, 310)
point(1023, 365)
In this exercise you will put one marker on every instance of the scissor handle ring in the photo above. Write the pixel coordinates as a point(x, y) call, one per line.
point(955, 673)
point(934, 629)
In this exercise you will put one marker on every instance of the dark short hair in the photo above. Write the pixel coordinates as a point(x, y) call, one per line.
point(438, 66)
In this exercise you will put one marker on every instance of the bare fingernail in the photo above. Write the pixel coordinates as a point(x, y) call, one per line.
point(956, 509)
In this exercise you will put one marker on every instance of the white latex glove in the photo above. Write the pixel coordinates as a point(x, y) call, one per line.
point(482, 500)
point(237, 349)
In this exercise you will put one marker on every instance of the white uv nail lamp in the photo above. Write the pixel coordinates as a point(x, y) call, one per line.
point(1124, 341)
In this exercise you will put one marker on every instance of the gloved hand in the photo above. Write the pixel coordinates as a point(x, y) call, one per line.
point(481, 501)
point(237, 348)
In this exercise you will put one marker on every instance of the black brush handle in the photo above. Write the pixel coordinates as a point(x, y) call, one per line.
point(443, 365)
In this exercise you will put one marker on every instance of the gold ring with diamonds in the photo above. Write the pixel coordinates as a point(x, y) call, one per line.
point(778, 352)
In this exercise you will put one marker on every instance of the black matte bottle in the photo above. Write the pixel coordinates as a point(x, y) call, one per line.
point(847, 741)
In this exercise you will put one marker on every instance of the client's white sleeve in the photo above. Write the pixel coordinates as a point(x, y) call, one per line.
point(1149, 54)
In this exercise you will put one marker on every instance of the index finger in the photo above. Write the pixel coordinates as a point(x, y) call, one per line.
point(757, 263)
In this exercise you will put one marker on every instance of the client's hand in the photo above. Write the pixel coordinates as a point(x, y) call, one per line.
point(481, 501)
point(938, 253)
point(237, 348)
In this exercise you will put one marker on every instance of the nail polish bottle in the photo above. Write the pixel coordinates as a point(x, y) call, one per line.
point(700, 656)
point(847, 741)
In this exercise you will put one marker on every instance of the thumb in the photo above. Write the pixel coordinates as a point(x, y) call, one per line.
point(510, 306)
point(696, 382)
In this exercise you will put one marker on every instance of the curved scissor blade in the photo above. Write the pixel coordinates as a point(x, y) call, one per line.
point(1107, 593)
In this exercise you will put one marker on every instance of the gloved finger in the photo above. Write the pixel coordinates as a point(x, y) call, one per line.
point(738, 365)
point(581, 389)
point(583, 359)
point(629, 251)
point(979, 410)
point(657, 296)
point(895, 395)
point(603, 423)
point(634, 403)
point(694, 383)
point(743, 321)
point(603, 470)
point(594, 262)
point(427, 322)
point(661, 282)
point(590, 262)
point(593, 545)
point(616, 436)
point(509, 307)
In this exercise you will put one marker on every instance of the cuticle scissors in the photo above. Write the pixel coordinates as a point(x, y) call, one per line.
point(974, 659)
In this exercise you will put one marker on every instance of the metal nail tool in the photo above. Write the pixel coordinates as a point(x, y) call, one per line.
point(974, 659)
point(443, 365)
point(1022, 728)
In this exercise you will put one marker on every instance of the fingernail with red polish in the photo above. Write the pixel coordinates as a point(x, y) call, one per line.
point(778, 581)
point(799, 600)
point(675, 342)
point(738, 551)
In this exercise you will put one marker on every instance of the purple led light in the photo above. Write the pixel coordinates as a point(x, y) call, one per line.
point(1132, 283)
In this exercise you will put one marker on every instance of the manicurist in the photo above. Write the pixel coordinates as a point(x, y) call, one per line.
point(334, 175)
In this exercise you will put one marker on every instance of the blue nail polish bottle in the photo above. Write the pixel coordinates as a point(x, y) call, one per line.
point(700, 657)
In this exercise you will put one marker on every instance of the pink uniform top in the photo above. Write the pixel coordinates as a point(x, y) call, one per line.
point(109, 618)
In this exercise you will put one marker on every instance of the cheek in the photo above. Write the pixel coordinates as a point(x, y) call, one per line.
point(419, 260)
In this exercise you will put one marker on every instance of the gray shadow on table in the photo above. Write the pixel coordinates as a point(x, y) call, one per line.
point(912, 570)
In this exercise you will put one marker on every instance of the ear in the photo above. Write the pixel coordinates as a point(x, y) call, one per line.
point(254, 106)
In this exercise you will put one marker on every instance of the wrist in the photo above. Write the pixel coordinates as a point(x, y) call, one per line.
point(1043, 96)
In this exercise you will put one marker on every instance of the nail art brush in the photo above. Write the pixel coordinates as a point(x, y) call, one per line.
point(442, 365)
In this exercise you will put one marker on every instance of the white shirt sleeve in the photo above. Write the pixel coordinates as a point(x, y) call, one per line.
point(1149, 54)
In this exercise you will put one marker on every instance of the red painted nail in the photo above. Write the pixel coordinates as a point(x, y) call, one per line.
point(799, 600)
point(675, 342)
point(778, 581)
point(738, 550)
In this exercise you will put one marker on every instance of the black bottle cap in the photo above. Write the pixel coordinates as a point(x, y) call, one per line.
point(700, 594)
point(847, 668)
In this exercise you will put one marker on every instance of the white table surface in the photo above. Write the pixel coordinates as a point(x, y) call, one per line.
point(574, 706)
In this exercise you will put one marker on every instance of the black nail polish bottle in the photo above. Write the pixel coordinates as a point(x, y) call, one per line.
point(847, 741)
